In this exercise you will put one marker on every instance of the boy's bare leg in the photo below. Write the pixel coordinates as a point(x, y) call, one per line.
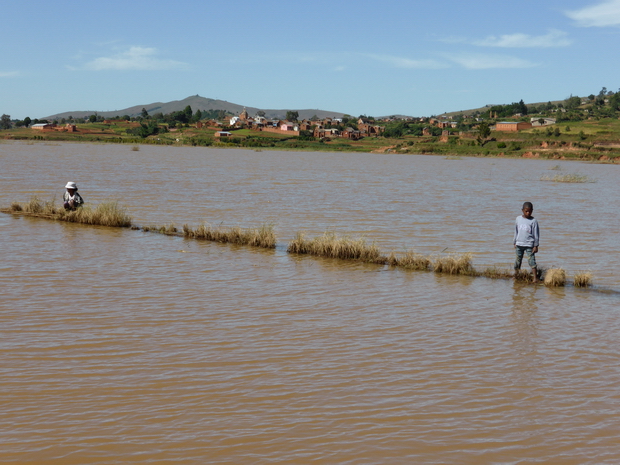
point(535, 274)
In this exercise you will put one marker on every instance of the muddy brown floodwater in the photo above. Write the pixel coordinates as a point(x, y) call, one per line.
point(118, 346)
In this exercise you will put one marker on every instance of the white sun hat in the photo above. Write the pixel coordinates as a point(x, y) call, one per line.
point(71, 185)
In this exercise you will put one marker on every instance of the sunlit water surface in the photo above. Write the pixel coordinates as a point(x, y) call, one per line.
point(118, 346)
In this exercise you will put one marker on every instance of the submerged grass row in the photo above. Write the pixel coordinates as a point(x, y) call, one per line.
point(346, 248)
point(264, 236)
point(329, 245)
point(111, 214)
point(105, 214)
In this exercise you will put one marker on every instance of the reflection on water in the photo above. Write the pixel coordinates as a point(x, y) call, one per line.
point(120, 346)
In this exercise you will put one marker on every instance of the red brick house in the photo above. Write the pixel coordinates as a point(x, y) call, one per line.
point(512, 126)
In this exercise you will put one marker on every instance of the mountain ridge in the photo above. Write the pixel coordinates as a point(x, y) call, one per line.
point(196, 102)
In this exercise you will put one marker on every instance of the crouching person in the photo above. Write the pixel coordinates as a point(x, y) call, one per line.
point(71, 199)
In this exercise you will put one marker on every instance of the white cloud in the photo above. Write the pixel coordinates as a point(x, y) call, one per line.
point(554, 38)
point(136, 58)
point(483, 61)
point(604, 14)
point(7, 74)
point(399, 62)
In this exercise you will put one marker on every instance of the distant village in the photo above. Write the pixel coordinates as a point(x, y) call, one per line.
point(319, 128)
point(333, 127)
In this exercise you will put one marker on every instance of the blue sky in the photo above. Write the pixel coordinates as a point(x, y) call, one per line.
point(357, 57)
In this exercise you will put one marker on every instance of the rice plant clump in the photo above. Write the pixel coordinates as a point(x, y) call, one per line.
point(569, 178)
point(555, 277)
point(33, 206)
point(455, 264)
point(410, 260)
point(582, 279)
point(104, 214)
point(49, 208)
point(135, 148)
point(332, 246)
point(36, 206)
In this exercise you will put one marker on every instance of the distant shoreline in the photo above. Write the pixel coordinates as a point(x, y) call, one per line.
point(590, 141)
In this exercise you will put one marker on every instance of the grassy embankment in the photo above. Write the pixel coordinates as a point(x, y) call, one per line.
point(591, 140)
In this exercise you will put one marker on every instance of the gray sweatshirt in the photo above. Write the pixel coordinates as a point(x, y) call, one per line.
point(526, 232)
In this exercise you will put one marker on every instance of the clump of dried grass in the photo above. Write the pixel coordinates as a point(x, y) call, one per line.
point(169, 229)
point(332, 246)
point(555, 277)
point(523, 275)
point(455, 264)
point(582, 279)
point(494, 272)
point(16, 207)
point(410, 260)
point(572, 178)
point(135, 148)
point(263, 236)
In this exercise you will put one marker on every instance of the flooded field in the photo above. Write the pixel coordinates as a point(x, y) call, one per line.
point(119, 346)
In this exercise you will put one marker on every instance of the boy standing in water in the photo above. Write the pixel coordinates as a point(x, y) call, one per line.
point(526, 239)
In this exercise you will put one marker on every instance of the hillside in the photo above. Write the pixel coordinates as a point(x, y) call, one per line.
point(196, 102)
point(486, 107)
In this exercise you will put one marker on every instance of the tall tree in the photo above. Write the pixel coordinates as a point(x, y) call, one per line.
point(27, 121)
point(484, 131)
point(572, 102)
point(614, 101)
point(197, 116)
point(188, 112)
point(5, 122)
point(292, 115)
